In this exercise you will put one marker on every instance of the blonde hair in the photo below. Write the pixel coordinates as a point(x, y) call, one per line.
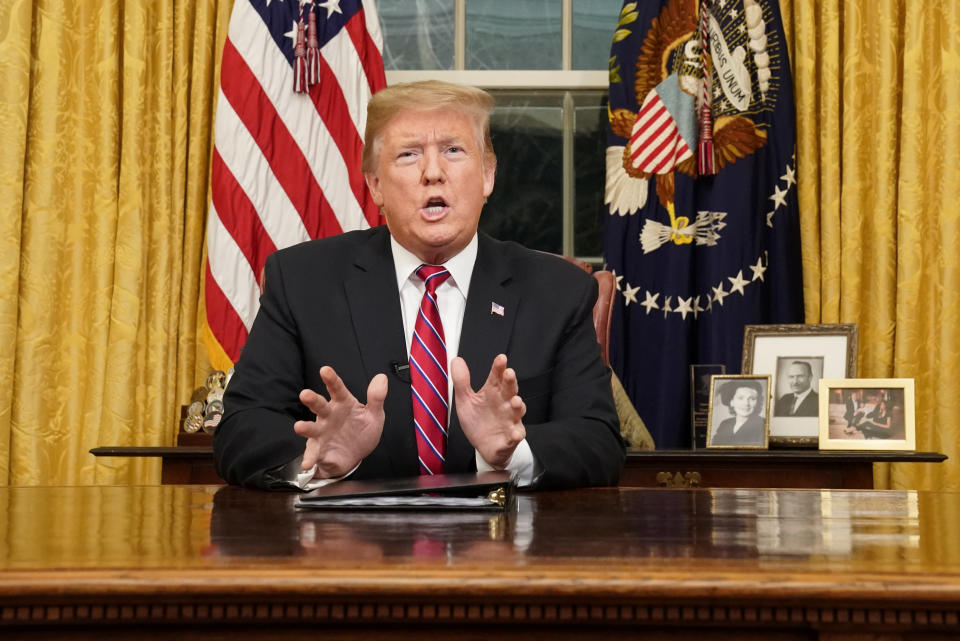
point(427, 95)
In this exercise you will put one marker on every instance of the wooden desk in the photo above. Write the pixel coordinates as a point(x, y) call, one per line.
point(796, 468)
point(663, 468)
point(180, 465)
point(197, 562)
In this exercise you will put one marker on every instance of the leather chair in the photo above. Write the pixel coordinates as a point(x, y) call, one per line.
point(603, 308)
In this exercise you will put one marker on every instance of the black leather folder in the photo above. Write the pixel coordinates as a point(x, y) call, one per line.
point(482, 491)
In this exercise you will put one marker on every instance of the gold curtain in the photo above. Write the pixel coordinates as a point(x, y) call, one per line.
point(878, 163)
point(106, 109)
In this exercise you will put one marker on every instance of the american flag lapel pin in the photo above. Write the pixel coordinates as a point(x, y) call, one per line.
point(496, 308)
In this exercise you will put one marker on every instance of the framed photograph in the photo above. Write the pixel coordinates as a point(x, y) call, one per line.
point(700, 375)
point(739, 409)
point(796, 357)
point(867, 414)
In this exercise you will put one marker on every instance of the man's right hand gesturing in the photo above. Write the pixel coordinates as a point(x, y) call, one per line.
point(345, 431)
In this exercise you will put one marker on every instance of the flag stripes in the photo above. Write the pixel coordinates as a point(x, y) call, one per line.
point(278, 149)
point(285, 166)
point(239, 216)
point(655, 139)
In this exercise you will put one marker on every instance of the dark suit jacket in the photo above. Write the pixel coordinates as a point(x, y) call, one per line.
point(750, 434)
point(335, 302)
point(810, 406)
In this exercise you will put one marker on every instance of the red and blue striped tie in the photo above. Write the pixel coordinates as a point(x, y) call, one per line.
point(428, 374)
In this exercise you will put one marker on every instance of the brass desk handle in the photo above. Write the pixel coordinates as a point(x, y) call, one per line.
point(687, 479)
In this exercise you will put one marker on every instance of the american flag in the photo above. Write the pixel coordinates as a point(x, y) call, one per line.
point(286, 165)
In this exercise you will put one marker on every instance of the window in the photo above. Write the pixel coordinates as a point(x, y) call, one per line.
point(545, 63)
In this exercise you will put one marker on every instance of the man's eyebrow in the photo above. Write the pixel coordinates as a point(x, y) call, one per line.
point(410, 139)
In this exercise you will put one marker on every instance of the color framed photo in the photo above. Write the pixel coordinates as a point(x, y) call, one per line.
point(867, 414)
point(796, 357)
point(739, 409)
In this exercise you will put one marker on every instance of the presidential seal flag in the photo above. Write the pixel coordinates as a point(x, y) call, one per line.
point(703, 231)
point(295, 80)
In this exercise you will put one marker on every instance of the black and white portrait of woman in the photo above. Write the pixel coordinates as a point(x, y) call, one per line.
point(740, 406)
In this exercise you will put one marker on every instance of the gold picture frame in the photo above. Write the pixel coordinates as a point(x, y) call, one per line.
point(723, 431)
point(867, 414)
point(819, 351)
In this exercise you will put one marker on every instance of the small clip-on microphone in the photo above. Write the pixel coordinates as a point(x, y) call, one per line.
point(401, 369)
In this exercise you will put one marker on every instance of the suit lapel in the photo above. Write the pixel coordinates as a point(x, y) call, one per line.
point(484, 334)
point(377, 320)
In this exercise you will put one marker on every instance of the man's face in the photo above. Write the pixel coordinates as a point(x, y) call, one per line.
point(799, 378)
point(431, 181)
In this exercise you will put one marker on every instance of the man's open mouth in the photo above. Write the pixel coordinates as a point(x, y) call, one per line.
point(435, 206)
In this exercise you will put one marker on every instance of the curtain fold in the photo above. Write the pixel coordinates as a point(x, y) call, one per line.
point(15, 37)
point(106, 108)
point(878, 103)
point(113, 104)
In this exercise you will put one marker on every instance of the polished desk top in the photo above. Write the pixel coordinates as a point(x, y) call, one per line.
point(878, 546)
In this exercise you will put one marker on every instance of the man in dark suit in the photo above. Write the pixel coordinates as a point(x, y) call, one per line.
point(324, 389)
point(802, 400)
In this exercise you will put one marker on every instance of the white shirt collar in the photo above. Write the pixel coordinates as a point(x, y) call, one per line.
point(459, 266)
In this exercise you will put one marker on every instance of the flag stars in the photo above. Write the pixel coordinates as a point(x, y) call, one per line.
point(719, 294)
point(651, 302)
point(779, 197)
point(697, 307)
point(702, 303)
point(737, 284)
point(332, 7)
point(758, 269)
point(292, 34)
point(790, 177)
point(684, 306)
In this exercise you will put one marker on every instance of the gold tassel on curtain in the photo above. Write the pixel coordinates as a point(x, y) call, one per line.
point(107, 111)
point(878, 155)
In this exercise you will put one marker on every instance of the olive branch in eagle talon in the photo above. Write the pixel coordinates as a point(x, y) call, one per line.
point(628, 15)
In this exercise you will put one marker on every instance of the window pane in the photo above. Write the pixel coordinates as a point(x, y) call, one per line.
point(513, 34)
point(417, 34)
point(589, 152)
point(525, 205)
point(594, 22)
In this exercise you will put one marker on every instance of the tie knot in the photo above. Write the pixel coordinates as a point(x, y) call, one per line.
point(433, 276)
